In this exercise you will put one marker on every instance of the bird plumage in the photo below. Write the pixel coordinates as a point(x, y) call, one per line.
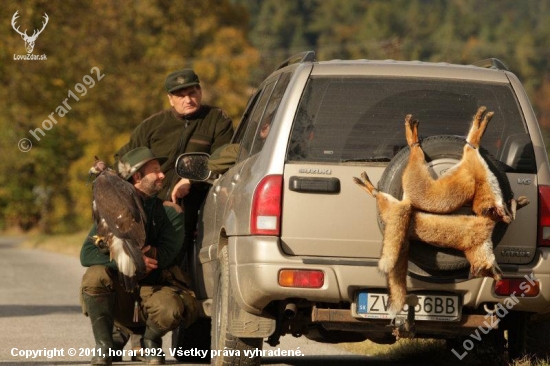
point(120, 219)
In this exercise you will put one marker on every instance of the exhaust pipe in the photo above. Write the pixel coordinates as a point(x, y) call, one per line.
point(290, 310)
point(490, 308)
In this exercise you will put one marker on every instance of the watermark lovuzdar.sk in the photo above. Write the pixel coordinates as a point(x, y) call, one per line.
point(501, 310)
point(29, 40)
point(25, 144)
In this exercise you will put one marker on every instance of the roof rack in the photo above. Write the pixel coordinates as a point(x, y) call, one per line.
point(491, 63)
point(306, 56)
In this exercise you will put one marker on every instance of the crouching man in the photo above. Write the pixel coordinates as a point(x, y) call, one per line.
point(163, 299)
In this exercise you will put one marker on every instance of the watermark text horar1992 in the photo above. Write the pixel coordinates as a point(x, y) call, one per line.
point(88, 81)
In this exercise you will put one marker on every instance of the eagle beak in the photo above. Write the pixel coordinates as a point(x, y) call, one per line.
point(92, 171)
point(89, 178)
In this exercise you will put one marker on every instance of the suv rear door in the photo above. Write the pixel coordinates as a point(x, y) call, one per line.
point(349, 123)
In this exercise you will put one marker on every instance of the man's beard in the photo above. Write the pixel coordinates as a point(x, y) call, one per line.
point(150, 187)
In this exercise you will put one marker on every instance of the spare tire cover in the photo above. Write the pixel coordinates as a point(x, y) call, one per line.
point(441, 152)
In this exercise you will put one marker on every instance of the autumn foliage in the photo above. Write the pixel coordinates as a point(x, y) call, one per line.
point(232, 44)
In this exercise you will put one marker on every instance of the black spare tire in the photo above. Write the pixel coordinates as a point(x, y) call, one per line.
point(442, 152)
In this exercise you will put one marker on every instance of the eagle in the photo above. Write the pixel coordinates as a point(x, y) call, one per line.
point(120, 219)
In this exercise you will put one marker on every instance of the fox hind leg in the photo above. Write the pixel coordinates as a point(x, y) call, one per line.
point(478, 127)
point(397, 281)
point(411, 130)
point(396, 216)
point(365, 184)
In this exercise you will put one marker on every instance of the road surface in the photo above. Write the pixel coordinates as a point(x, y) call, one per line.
point(41, 319)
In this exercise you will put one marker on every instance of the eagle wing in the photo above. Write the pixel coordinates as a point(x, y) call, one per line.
point(120, 220)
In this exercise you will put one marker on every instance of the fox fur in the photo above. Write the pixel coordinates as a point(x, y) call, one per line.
point(468, 233)
point(424, 212)
point(470, 180)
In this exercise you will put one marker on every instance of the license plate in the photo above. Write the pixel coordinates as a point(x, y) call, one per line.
point(434, 307)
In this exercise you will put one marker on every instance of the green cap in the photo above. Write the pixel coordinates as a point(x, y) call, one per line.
point(181, 79)
point(135, 159)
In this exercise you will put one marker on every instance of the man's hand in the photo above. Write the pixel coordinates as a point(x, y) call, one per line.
point(150, 263)
point(181, 189)
point(173, 205)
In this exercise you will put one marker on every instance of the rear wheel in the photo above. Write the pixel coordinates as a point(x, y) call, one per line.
point(226, 348)
point(537, 339)
point(528, 336)
point(480, 348)
point(196, 336)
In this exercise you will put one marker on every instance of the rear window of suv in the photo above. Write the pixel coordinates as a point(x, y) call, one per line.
point(342, 119)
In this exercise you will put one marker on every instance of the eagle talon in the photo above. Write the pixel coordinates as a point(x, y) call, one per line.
point(97, 239)
point(100, 242)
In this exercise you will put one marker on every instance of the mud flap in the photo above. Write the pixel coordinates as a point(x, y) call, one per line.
point(242, 324)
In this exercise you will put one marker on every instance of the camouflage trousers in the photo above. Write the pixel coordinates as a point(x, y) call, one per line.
point(166, 305)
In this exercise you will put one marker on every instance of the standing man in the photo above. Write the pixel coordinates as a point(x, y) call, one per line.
point(188, 126)
point(163, 300)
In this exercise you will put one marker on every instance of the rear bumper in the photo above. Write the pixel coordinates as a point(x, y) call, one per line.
point(254, 264)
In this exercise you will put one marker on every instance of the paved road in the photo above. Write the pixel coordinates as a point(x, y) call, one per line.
point(40, 311)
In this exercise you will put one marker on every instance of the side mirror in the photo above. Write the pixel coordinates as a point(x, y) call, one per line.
point(193, 166)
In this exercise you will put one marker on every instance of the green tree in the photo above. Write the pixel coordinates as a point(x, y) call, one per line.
point(105, 68)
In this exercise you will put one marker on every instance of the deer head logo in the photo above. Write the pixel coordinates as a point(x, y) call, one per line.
point(29, 40)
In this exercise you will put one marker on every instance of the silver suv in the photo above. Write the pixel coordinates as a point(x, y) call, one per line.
point(288, 244)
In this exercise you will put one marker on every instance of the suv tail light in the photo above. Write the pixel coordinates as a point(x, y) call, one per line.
point(265, 218)
point(544, 215)
point(518, 287)
point(301, 278)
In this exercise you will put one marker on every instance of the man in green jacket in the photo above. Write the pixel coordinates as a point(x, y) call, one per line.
point(188, 126)
point(163, 299)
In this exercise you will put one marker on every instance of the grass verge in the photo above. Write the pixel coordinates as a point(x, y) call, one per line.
point(421, 352)
point(68, 244)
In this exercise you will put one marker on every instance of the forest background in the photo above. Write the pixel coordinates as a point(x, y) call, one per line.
point(106, 62)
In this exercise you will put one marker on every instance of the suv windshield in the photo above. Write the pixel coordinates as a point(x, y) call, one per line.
point(362, 118)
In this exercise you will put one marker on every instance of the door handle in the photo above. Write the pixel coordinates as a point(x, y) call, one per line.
point(314, 185)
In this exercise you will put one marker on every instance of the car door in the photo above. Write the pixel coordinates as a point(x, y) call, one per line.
point(216, 206)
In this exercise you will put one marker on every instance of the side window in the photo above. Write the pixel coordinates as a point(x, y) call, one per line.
point(270, 111)
point(254, 120)
point(245, 121)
